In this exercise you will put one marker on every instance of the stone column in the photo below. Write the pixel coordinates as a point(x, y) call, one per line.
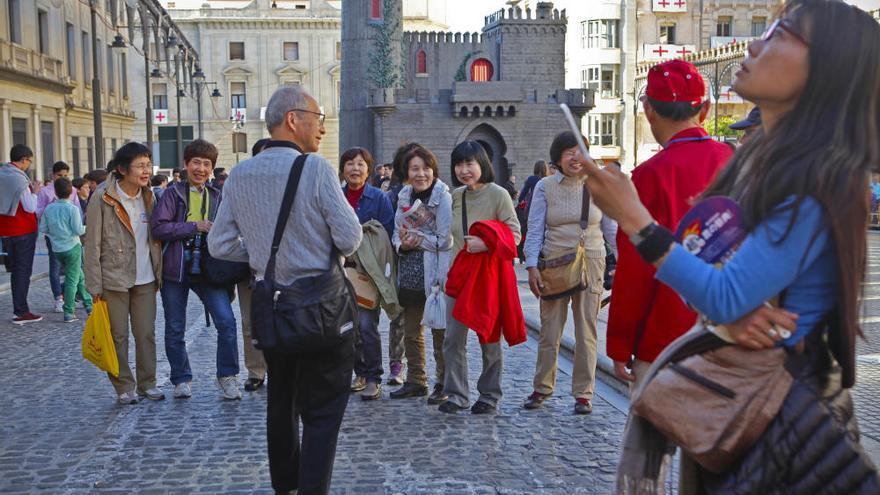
point(38, 144)
point(62, 135)
point(5, 130)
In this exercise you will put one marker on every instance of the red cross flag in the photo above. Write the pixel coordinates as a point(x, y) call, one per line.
point(670, 5)
point(726, 95)
point(160, 117)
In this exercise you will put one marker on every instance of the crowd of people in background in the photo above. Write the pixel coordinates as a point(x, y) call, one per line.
point(438, 258)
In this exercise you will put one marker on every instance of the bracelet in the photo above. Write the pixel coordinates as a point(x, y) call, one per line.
point(655, 244)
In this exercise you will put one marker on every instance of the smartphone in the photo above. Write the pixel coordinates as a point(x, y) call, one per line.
point(575, 129)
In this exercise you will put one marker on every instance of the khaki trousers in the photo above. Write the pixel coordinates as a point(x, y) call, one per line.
point(253, 357)
point(137, 305)
point(414, 344)
point(554, 313)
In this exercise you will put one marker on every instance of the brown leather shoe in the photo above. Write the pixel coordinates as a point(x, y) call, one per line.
point(536, 400)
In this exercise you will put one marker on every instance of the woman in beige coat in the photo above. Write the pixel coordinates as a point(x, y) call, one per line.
point(123, 267)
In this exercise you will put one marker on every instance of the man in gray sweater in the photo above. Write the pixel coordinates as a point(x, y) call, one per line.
point(312, 388)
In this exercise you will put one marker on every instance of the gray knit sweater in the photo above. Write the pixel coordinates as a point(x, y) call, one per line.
point(252, 197)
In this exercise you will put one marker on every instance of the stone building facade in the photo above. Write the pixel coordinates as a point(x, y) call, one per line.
point(501, 87)
point(46, 69)
point(610, 39)
point(248, 48)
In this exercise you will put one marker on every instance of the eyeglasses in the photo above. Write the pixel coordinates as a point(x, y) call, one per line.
point(321, 116)
point(783, 25)
point(570, 153)
point(142, 167)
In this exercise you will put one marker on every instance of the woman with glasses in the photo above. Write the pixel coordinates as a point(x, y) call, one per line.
point(562, 225)
point(802, 183)
point(123, 265)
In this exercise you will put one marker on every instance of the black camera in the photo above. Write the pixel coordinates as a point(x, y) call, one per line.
point(192, 255)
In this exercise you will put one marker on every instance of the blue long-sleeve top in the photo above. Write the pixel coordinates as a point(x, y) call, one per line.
point(804, 264)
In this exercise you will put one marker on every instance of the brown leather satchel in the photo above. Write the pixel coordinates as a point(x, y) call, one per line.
point(564, 273)
point(717, 402)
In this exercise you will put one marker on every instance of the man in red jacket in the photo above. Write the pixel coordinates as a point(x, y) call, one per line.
point(646, 315)
point(18, 227)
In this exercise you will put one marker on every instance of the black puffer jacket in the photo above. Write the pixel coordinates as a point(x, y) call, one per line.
point(812, 446)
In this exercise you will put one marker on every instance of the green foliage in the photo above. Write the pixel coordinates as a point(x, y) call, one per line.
point(461, 73)
point(383, 72)
point(724, 129)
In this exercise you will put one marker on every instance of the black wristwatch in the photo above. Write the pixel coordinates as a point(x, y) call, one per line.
point(652, 242)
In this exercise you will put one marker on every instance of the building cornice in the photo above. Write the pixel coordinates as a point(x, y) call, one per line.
point(236, 22)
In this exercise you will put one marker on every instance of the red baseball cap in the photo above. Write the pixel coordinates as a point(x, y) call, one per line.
point(674, 81)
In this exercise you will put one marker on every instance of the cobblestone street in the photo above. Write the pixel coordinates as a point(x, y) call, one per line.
point(63, 433)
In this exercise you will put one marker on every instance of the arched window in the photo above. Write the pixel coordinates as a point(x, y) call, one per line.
point(421, 62)
point(481, 70)
point(376, 9)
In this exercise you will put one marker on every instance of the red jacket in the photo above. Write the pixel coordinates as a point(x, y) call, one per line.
point(484, 286)
point(667, 184)
point(22, 223)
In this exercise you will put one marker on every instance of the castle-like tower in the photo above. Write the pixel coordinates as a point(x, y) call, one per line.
point(501, 87)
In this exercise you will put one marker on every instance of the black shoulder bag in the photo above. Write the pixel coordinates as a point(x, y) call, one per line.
point(217, 272)
point(311, 314)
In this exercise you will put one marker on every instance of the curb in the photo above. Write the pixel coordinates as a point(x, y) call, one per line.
point(6, 286)
point(604, 364)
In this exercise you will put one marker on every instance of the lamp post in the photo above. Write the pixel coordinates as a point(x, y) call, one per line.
point(96, 88)
point(145, 27)
point(198, 78)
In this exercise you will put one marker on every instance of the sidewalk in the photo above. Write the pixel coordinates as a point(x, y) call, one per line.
point(41, 267)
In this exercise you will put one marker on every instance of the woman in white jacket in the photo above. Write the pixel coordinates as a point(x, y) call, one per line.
point(422, 239)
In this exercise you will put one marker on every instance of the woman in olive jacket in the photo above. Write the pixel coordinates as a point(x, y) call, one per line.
point(123, 267)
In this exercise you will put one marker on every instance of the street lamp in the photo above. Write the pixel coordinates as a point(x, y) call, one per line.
point(96, 87)
point(198, 79)
point(118, 43)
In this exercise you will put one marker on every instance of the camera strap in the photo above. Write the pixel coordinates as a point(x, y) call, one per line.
point(204, 200)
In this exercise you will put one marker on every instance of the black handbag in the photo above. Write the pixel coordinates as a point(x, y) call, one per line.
point(222, 273)
point(311, 314)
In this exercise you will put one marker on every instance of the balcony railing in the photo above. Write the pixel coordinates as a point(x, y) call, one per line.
point(30, 63)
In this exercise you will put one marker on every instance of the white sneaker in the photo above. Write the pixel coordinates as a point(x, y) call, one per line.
point(127, 398)
point(59, 305)
point(182, 391)
point(229, 386)
point(153, 394)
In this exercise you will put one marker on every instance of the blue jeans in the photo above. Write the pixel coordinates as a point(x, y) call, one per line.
point(216, 300)
point(368, 350)
point(20, 259)
point(54, 271)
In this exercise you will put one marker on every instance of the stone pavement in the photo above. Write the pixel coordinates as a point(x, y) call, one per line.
point(41, 267)
point(63, 433)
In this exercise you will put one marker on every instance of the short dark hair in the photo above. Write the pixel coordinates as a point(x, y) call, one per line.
point(158, 179)
point(19, 152)
point(63, 188)
point(540, 169)
point(351, 154)
point(563, 141)
point(200, 149)
point(176, 171)
point(425, 154)
point(397, 170)
point(78, 182)
point(97, 176)
point(472, 150)
point(675, 110)
point(125, 155)
point(59, 166)
point(259, 146)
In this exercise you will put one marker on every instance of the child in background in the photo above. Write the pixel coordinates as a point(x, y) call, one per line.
point(62, 223)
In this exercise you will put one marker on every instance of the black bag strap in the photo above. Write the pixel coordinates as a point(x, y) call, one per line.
point(464, 222)
point(585, 208)
point(204, 200)
point(284, 213)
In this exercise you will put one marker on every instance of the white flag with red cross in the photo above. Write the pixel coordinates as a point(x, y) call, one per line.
point(666, 52)
point(670, 5)
point(160, 117)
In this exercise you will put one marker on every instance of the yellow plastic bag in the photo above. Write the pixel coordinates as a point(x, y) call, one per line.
point(97, 341)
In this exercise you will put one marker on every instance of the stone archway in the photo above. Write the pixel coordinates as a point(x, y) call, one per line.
point(496, 148)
